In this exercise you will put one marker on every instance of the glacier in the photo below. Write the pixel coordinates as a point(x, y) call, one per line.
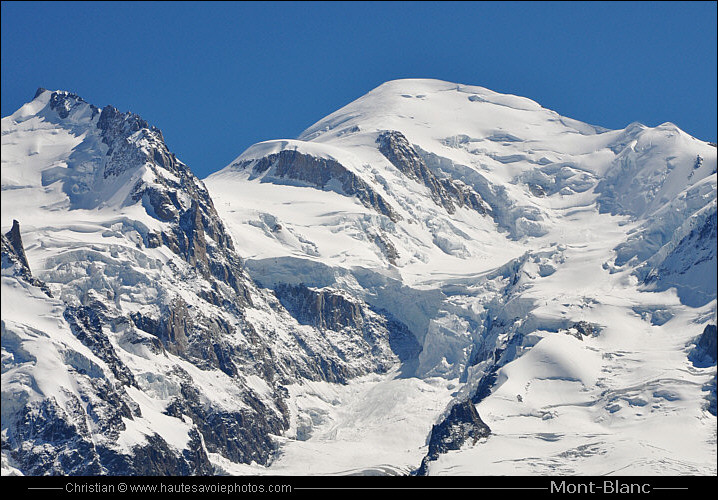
point(435, 279)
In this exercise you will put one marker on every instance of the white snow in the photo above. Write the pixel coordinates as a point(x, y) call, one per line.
point(375, 424)
point(624, 401)
point(604, 405)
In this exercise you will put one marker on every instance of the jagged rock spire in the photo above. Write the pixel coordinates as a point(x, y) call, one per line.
point(15, 241)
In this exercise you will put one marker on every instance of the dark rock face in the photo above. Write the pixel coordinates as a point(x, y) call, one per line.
point(712, 389)
point(13, 257)
point(464, 195)
point(15, 244)
point(64, 102)
point(537, 190)
point(324, 309)
point(704, 354)
point(707, 342)
point(331, 310)
point(51, 438)
point(319, 172)
point(156, 458)
point(387, 247)
point(187, 226)
point(241, 436)
point(172, 328)
point(445, 192)
point(693, 257)
point(86, 323)
point(582, 329)
point(462, 424)
point(706, 349)
point(483, 389)
point(200, 340)
point(117, 126)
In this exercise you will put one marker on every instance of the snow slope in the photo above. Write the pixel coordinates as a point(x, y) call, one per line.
point(576, 224)
point(130, 327)
point(434, 279)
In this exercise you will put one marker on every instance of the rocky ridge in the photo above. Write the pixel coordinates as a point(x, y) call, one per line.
point(544, 301)
point(171, 290)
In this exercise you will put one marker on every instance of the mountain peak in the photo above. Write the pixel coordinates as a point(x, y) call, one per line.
point(483, 258)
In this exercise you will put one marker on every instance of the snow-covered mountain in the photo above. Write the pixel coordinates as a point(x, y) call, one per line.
point(434, 279)
point(130, 328)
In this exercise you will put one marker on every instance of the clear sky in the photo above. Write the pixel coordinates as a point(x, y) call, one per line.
point(218, 77)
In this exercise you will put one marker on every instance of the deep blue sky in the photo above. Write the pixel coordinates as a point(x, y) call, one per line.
point(217, 77)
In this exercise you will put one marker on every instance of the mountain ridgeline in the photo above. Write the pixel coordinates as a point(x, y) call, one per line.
point(431, 277)
point(188, 311)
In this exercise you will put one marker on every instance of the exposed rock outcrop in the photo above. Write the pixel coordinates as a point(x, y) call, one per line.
point(445, 192)
point(704, 354)
point(14, 245)
point(691, 259)
point(14, 260)
point(157, 458)
point(197, 312)
point(322, 173)
point(382, 337)
point(124, 304)
point(86, 323)
point(706, 347)
point(462, 424)
point(582, 329)
point(242, 436)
